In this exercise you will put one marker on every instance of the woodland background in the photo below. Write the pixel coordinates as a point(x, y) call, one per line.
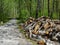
point(23, 9)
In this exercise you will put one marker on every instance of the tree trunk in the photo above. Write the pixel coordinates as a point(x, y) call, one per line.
point(48, 9)
point(19, 8)
point(37, 9)
point(57, 10)
point(1, 10)
point(43, 8)
point(30, 8)
point(52, 10)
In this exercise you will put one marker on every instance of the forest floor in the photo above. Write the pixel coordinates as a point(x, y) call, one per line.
point(10, 35)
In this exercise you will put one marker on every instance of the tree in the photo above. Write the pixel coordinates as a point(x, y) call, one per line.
point(37, 9)
point(30, 7)
point(57, 8)
point(48, 8)
point(43, 7)
point(19, 8)
point(52, 11)
point(1, 10)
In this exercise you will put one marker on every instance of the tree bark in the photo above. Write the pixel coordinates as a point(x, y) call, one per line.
point(52, 9)
point(30, 8)
point(48, 9)
point(1, 10)
point(37, 9)
point(19, 8)
point(57, 9)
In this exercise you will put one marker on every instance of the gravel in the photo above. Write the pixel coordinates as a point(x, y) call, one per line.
point(10, 35)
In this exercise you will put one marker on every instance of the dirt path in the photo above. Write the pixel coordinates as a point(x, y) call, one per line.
point(10, 35)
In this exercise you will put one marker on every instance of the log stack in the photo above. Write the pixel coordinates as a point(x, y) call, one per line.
point(44, 27)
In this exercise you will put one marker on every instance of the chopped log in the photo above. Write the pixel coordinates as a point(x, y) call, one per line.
point(58, 27)
point(47, 25)
point(41, 42)
point(29, 21)
point(42, 26)
point(35, 31)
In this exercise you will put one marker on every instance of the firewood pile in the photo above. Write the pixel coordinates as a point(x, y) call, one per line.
point(42, 29)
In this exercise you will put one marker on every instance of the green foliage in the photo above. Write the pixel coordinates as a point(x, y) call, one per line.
point(23, 9)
